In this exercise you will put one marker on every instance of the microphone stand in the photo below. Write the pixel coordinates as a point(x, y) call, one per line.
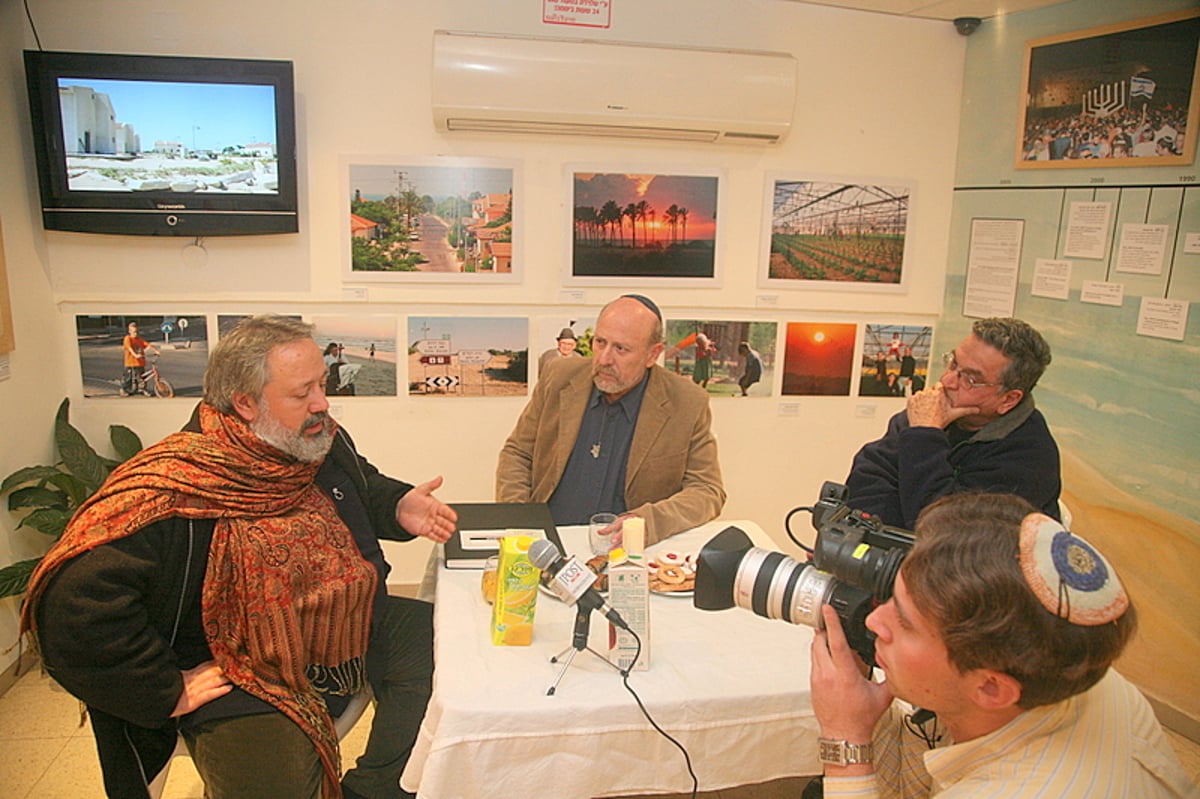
point(579, 642)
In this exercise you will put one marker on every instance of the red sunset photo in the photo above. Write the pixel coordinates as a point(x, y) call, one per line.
point(818, 359)
point(628, 225)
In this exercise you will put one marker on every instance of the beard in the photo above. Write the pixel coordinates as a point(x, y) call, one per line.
point(609, 381)
point(306, 448)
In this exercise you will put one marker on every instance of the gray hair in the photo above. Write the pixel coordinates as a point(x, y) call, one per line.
point(238, 365)
point(1027, 352)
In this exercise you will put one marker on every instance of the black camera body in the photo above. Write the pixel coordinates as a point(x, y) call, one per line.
point(852, 568)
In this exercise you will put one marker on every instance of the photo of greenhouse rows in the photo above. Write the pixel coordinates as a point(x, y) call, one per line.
point(837, 232)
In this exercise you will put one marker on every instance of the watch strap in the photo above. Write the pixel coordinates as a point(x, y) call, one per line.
point(843, 753)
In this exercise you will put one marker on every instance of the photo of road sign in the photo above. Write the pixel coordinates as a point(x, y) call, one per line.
point(474, 357)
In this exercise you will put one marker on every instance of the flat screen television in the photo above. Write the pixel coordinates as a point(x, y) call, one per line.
point(163, 145)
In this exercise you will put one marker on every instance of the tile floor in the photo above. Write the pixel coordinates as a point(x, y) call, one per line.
point(47, 754)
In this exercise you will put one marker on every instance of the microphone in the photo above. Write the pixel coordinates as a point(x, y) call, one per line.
point(570, 580)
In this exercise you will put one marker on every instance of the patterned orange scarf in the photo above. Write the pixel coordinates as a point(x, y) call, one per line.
point(287, 596)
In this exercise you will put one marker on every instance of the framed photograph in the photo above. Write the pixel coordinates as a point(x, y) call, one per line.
point(437, 220)
point(644, 228)
point(1113, 96)
point(818, 359)
point(557, 337)
point(894, 360)
point(829, 233)
point(142, 355)
point(461, 356)
point(725, 358)
point(360, 354)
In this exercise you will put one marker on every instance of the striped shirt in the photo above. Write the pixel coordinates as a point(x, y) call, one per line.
point(1102, 744)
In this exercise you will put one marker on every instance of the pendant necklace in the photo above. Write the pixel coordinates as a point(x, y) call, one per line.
point(595, 450)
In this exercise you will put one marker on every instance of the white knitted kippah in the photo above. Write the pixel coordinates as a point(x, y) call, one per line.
point(1068, 575)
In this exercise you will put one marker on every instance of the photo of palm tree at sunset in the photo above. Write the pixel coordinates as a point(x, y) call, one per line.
point(630, 225)
point(818, 359)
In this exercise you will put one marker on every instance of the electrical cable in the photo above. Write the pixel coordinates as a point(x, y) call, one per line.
point(32, 27)
point(625, 679)
point(787, 527)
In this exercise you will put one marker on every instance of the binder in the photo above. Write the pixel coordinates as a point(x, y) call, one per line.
point(481, 525)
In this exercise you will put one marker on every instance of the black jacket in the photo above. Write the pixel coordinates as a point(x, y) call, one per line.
point(117, 624)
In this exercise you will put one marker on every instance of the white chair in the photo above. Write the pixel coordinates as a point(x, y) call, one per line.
point(343, 724)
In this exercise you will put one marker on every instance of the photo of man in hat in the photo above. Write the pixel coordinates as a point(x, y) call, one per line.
point(566, 342)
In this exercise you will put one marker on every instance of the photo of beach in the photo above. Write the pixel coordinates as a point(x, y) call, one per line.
point(360, 352)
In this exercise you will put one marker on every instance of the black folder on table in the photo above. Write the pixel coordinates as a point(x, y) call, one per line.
point(481, 524)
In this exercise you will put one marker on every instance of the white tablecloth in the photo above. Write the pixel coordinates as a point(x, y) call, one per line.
point(730, 686)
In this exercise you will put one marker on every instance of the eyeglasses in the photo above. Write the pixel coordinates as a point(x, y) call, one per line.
point(964, 377)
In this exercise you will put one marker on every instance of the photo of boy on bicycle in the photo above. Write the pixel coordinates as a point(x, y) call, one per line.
point(135, 347)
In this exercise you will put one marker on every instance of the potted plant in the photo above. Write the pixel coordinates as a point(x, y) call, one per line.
point(49, 495)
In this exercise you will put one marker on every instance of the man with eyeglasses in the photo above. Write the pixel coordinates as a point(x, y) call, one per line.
point(974, 429)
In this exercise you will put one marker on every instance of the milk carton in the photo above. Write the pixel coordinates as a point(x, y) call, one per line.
point(629, 595)
point(516, 593)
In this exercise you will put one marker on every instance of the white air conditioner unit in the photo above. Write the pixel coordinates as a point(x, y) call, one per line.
point(516, 84)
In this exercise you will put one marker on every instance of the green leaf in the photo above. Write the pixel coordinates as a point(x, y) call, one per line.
point(38, 497)
point(75, 488)
point(124, 441)
point(76, 452)
point(47, 521)
point(29, 474)
point(15, 578)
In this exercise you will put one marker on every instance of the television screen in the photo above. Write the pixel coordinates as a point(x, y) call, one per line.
point(163, 145)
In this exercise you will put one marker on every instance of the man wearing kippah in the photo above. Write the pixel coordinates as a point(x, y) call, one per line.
point(617, 433)
point(1002, 629)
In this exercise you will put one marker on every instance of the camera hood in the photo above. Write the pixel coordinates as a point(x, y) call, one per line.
point(717, 567)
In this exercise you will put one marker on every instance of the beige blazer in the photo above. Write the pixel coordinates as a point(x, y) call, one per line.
point(673, 478)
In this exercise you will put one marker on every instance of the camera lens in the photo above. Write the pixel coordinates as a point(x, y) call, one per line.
point(772, 585)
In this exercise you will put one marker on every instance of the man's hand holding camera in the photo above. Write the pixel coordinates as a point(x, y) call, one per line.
point(846, 703)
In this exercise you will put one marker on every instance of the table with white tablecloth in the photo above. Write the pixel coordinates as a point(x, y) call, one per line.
point(730, 686)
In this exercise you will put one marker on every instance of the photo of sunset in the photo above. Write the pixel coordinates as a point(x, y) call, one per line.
point(818, 359)
point(629, 225)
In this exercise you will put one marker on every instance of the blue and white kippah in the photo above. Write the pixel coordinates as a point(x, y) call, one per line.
point(1068, 575)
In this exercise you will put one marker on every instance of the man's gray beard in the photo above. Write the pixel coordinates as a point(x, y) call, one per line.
point(308, 449)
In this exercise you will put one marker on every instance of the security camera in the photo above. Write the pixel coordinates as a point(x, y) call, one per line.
point(967, 25)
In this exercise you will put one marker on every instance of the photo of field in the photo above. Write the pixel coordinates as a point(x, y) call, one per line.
point(633, 225)
point(837, 232)
point(818, 359)
point(458, 356)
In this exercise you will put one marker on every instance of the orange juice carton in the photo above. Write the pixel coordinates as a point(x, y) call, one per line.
point(629, 595)
point(516, 593)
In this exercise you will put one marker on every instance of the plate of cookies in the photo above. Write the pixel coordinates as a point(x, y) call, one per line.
point(672, 573)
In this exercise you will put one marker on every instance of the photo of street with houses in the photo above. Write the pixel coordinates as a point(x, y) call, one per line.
point(431, 219)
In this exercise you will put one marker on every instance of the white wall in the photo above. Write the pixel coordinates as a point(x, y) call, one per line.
point(38, 369)
point(878, 97)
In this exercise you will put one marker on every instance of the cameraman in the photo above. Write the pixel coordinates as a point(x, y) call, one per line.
point(1004, 625)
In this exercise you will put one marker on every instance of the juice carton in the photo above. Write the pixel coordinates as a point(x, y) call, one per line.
point(629, 595)
point(516, 593)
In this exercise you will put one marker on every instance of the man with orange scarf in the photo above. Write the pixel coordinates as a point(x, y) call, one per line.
point(227, 584)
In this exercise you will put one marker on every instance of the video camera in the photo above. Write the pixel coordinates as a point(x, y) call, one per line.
point(852, 568)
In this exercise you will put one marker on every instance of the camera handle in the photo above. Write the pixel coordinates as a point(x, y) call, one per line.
point(579, 642)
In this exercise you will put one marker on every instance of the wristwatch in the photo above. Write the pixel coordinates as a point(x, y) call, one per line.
point(841, 753)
